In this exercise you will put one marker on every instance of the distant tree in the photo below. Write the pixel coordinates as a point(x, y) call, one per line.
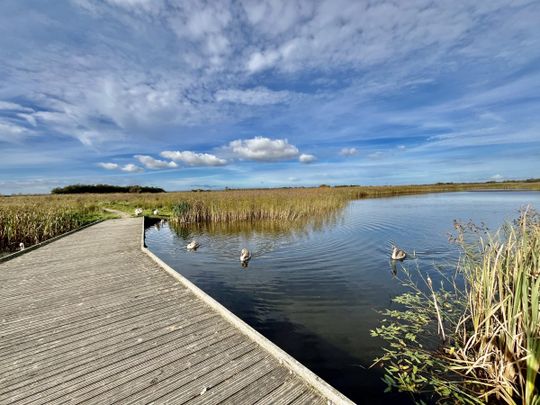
point(103, 189)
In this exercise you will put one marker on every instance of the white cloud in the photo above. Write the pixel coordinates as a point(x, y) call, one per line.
point(131, 168)
point(302, 34)
point(7, 105)
point(150, 163)
point(108, 166)
point(255, 96)
point(263, 149)
point(401, 147)
point(11, 132)
point(306, 158)
point(194, 159)
point(262, 60)
point(497, 177)
point(348, 151)
point(28, 118)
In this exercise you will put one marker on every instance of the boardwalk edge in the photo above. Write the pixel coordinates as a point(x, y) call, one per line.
point(46, 242)
point(312, 379)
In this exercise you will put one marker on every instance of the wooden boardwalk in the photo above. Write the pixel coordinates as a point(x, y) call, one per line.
point(91, 318)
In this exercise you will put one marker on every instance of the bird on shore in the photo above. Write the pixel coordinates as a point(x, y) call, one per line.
point(193, 245)
point(156, 212)
point(138, 211)
point(21, 246)
point(398, 254)
point(245, 257)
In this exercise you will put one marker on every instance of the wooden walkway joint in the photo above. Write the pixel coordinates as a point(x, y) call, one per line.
point(94, 317)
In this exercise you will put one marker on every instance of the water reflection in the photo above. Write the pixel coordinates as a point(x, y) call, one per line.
point(259, 238)
point(315, 287)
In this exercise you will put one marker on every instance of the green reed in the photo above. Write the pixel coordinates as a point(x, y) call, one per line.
point(491, 322)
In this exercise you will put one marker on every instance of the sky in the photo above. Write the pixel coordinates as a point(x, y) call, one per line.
point(267, 93)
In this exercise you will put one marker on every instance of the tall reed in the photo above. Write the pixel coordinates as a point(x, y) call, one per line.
point(34, 220)
point(492, 322)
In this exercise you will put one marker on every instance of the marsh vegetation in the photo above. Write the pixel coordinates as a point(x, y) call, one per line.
point(32, 219)
point(475, 337)
point(489, 310)
point(316, 289)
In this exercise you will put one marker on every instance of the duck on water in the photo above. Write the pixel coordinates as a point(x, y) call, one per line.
point(245, 257)
point(398, 254)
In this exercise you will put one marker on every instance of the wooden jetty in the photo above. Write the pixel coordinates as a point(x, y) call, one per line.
point(94, 317)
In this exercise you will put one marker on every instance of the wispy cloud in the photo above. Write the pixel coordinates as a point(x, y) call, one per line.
point(7, 105)
point(256, 96)
point(11, 132)
point(376, 155)
point(348, 152)
point(446, 80)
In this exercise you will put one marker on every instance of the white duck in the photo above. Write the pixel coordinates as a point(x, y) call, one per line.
point(21, 246)
point(193, 245)
point(156, 212)
point(138, 211)
point(398, 254)
point(245, 256)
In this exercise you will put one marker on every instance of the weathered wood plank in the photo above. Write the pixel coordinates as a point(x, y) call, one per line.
point(150, 374)
point(90, 318)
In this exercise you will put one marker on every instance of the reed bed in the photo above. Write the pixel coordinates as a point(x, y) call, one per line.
point(32, 219)
point(271, 204)
point(488, 322)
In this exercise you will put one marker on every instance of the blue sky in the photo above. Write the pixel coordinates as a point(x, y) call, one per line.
point(189, 94)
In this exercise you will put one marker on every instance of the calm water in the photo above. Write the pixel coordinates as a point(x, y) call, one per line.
point(315, 289)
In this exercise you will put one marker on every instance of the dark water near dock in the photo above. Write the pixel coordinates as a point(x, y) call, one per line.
point(315, 289)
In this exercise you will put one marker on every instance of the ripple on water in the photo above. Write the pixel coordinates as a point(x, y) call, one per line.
point(315, 290)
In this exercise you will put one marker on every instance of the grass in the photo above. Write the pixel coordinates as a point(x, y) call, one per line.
point(487, 319)
point(32, 219)
point(272, 204)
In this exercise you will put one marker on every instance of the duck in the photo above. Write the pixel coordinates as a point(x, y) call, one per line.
point(156, 212)
point(193, 245)
point(21, 246)
point(245, 257)
point(138, 211)
point(398, 254)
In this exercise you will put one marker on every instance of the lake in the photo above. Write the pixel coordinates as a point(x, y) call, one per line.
point(315, 288)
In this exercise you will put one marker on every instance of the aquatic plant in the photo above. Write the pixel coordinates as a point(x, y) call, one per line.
point(475, 339)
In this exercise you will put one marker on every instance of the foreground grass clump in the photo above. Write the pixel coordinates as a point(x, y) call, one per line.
point(486, 319)
point(33, 220)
